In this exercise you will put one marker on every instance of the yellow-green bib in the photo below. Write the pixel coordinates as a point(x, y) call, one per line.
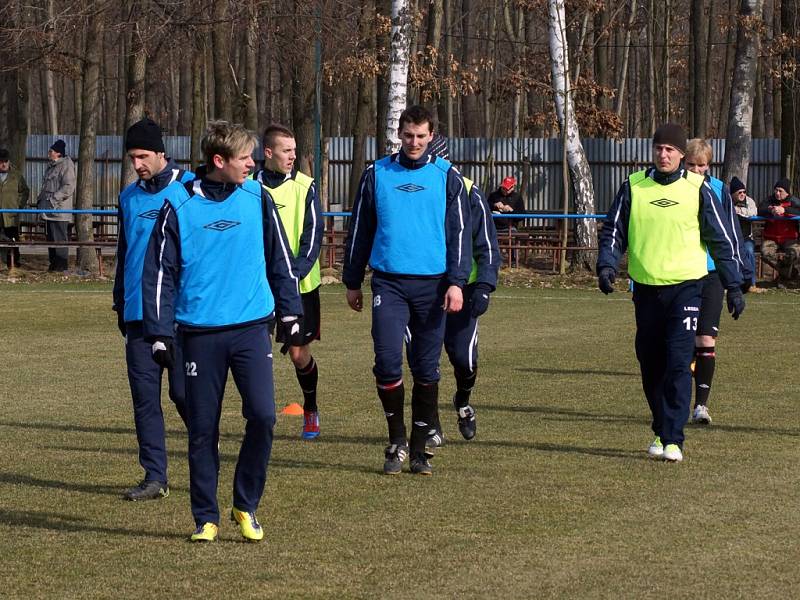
point(290, 199)
point(473, 274)
point(664, 245)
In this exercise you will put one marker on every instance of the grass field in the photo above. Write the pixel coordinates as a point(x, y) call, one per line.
point(554, 498)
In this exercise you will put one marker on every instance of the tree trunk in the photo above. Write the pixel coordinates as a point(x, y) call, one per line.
point(384, 44)
point(198, 101)
point(471, 108)
point(789, 95)
point(303, 92)
point(185, 87)
point(398, 72)
point(251, 87)
point(134, 104)
point(740, 117)
point(698, 76)
point(626, 48)
point(601, 52)
point(433, 41)
point(49, 84)
point(84, 197)
point(651, 65)
point(221, 41)
point(583, 188)
point(364, 100)
point(766, 71)
point(730, 55)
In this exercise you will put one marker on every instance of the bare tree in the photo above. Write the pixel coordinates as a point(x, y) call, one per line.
point(583, 188)
point(398, 71)
point(134, 97)
point(366, 85)
point(740, 117)
point(221, 40)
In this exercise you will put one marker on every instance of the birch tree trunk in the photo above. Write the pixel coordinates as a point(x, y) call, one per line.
point(398, 72)
point(84, 197)
point(740, 117)
point(583, 188)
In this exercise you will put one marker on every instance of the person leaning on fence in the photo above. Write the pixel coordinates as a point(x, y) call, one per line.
point(461, 328)
point(411, 222)
point(780, 232)
point(300, 211)
point(13, 194)
point(58, 191)
point(160, 178)
point(218, 263)
point(666, 218)
point(745, 208)
point(699, 155)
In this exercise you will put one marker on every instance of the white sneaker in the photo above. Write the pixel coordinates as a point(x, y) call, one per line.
point(701, 416)
point(672, 453)
point(656, 448)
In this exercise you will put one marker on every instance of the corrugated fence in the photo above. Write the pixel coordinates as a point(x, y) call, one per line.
point(536, 163)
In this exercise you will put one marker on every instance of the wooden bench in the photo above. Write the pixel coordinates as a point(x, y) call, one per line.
point(98, 245)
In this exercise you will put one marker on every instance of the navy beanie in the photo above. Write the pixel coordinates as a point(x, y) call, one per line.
point(59, 146)
point(144, 135)
point(784, 183)
point(736, 185)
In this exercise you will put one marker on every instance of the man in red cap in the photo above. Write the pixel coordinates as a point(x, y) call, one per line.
point(506, 200)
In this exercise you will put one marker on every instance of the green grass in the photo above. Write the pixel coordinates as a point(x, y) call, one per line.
point(554, 498)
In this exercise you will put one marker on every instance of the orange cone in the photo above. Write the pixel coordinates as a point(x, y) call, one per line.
point(292, 409)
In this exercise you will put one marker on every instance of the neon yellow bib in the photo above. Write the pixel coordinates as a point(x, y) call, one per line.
point(473, 274)
point(664, 245)
point(290, 199)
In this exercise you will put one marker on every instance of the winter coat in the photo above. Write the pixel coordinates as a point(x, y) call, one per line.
point(13, 194)
point(58, 189)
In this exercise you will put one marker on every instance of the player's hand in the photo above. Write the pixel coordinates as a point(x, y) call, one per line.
point(605, 280)
point(121, 322)
point(164, 352)
point(735, 302)
point(355, 299)
point(779, 210)
point(453, 299)
point(479, 300)
point(292, 330)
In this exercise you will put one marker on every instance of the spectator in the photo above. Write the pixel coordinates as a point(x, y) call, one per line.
point(780, 233)
point(506, 199)
point(745, 208)
point(13, 194)
point(58, 190)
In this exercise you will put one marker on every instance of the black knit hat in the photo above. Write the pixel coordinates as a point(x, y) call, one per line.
point(4, 154)
point(736, 185)
point(784, 183)
point(59, 146)
point(671, 134)
point(144, 135)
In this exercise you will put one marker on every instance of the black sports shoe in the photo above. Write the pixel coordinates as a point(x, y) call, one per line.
point(466, 421)
point(420, 464)
point(395, 455)
point(434, 441)
point(147, 490)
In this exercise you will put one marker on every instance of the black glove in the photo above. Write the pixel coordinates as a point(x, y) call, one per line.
point(605, 280)
point(164, 352)
point(480, 300)
point(735, 302)
point(121, 322)
point(291, 328)
point(745, 287)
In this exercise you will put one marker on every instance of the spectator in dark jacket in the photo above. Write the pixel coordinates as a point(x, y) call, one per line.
point(745, 208)
point(13, 194)
point(504, 200)
point(780, 232)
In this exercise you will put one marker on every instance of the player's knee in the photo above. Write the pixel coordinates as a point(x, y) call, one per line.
point(705, 341)
point(300, 355)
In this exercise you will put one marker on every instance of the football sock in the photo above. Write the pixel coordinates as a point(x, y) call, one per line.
point(424, 400)
point(392, 397)
point(465, 381)
point(307, 378)
point(705, 359)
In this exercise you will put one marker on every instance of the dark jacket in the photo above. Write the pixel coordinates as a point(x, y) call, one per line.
point(780, 229)
point(514, 200)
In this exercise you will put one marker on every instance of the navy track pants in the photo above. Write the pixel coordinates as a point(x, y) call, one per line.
point(144, 376)
point(666, 321)
point(461, 336)
point(207, 356)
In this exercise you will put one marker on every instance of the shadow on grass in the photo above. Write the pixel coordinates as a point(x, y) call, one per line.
point(73, 428)
point(27, 480)
point(592, 372)
point(73, 524)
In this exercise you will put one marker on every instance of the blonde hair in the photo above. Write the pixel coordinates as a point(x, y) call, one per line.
point(699, 148)
point(227, 140)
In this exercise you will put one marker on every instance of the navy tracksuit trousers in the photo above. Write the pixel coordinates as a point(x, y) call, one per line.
point(666, 321)
point(207, 356)
point(144, 376)
point(461, 336)
point(407, 306)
